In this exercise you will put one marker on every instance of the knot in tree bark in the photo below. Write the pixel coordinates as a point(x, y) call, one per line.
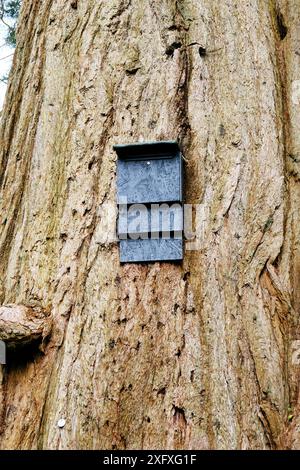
point(21, 325)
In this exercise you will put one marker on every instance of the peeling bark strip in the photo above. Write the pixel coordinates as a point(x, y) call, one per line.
point(21, 325)
point(191, 356)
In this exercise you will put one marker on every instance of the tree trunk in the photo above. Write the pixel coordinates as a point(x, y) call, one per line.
point(191, 356)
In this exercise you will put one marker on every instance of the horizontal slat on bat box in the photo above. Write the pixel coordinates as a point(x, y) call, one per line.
point(144, 149)
point(154, 219)
point(136, 251)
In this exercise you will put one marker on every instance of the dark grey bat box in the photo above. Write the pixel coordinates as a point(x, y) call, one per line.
point(149, 172)
point(149, 196)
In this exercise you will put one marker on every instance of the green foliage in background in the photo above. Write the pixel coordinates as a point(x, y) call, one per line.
point(9, 12)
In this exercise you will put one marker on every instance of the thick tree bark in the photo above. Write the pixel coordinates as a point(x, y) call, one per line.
point(197, 355)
